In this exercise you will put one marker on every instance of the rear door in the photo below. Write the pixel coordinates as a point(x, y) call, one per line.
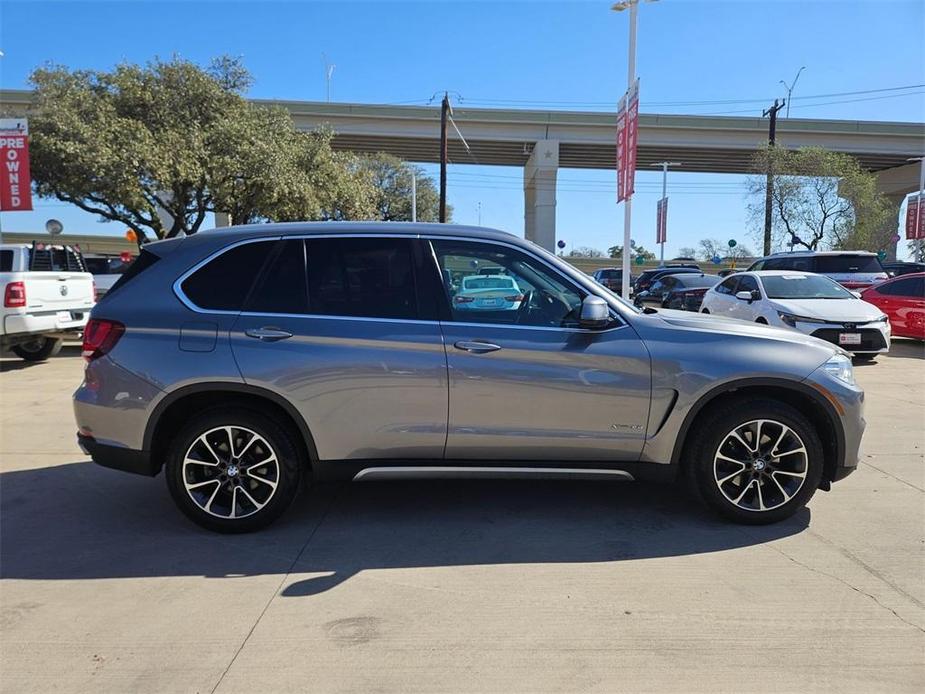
point(336, 326)
point(527, 383)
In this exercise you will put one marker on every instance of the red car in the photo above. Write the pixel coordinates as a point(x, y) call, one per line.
point(903, 300)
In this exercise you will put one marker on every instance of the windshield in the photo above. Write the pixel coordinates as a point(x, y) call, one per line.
point(488, 282)
point(839, 264)
point(804, 287)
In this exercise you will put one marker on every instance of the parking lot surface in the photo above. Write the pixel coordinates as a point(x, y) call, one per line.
point(450, 586)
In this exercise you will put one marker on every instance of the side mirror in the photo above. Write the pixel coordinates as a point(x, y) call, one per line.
point(745, 296)
point(594, 313)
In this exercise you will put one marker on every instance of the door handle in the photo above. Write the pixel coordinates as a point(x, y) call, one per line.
point(267, 334)
point(476, 347)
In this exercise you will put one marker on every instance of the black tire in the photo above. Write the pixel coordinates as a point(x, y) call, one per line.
point(39, 349)
point(761, 321)
point(713, 431)
point(865, 357)
point(277, 442)
point(705, 310)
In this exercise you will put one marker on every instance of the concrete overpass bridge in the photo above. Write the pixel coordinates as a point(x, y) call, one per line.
point(543, 141)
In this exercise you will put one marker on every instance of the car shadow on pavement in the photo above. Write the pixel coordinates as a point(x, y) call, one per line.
point(11, 362)
point(80, 521)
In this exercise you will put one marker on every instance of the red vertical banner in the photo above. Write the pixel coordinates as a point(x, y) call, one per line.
point(914, 217)
point(15, 179)
point(621, 150)
point(632, 130)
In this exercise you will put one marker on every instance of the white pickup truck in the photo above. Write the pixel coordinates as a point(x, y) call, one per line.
point(47, 296)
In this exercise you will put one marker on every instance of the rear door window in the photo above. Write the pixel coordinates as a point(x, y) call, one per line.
point(6, 261)
point(283, 287)
point(362, 277)
point(223, 283)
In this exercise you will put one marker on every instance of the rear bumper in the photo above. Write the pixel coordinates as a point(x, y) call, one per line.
point(46, 321)
point(118, 458)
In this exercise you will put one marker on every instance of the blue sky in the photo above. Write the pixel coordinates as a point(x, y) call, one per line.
point(572, 53)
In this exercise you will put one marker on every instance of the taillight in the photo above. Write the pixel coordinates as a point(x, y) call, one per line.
point(515, 298)
point(463, 299)
point(100, 336)
point(15, 295)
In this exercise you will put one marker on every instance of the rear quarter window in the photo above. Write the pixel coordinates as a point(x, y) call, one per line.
point(6, 261)
point(224, 282)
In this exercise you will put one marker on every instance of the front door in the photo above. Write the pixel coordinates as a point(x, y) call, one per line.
point(334, 326)
point(526, 383)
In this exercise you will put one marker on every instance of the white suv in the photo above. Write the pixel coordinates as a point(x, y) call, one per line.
point(851, 269)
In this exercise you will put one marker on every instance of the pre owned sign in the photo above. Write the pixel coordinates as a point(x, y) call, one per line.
point(15, 181)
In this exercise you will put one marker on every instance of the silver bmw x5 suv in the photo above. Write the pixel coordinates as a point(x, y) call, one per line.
point(247, 361)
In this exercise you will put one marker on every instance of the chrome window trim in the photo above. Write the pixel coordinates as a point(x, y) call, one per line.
point(186, 301)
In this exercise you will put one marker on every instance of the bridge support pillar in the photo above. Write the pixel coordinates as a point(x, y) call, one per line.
point(540, 194)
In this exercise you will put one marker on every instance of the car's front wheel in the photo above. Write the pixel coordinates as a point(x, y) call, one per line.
point(233, 470)
point(755, 462)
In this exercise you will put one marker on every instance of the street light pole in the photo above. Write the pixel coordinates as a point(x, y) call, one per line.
point(665, 165)
point(633, 6)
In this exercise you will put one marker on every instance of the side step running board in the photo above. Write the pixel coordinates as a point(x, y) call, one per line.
point(462, 472)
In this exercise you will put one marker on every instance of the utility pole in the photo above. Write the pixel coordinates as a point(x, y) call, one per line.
point(769, 188)
point(444, 112)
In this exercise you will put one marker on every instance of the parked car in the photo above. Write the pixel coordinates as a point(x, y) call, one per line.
point(246, 361)
point(612, 278)
point(106, 270)
point(898, 268)
point(683, 291)
point(851, 269)
point(488, 292)
point(902, 299)
point(725, 272)
point(812, 304)
point(647, 277)
point(47, 296)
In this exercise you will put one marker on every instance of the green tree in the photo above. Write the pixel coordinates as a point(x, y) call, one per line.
point(635, 250)
point(391, 178)
point(170, 136)
point(820, 199)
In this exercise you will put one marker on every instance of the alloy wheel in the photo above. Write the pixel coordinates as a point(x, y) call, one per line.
point(760, 465)
point(230, 472)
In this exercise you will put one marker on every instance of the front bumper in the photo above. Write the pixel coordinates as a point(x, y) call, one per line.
point(118, 458)
point(847, 403)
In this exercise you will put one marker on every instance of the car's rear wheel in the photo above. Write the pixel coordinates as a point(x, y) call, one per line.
point(704, 310)
point(755, 462)
point(39, 348)
point(233, 470)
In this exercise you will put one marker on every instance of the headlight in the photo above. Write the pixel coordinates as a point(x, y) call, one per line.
point(840, 367)
point(791, 319)
point(882, 319)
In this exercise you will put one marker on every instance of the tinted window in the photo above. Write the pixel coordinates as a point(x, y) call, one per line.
point(913, 286)
point(283, 287)
point(223, 283)
point(747, 284)
point(727, 285)
point(6, 261)
point(776, 264)
point(369, 278)
point(542, 296)
point(760, 265)
point(840, 264)
point(697, 280)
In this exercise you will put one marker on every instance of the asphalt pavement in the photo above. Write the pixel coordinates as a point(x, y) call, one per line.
point(476, 586)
